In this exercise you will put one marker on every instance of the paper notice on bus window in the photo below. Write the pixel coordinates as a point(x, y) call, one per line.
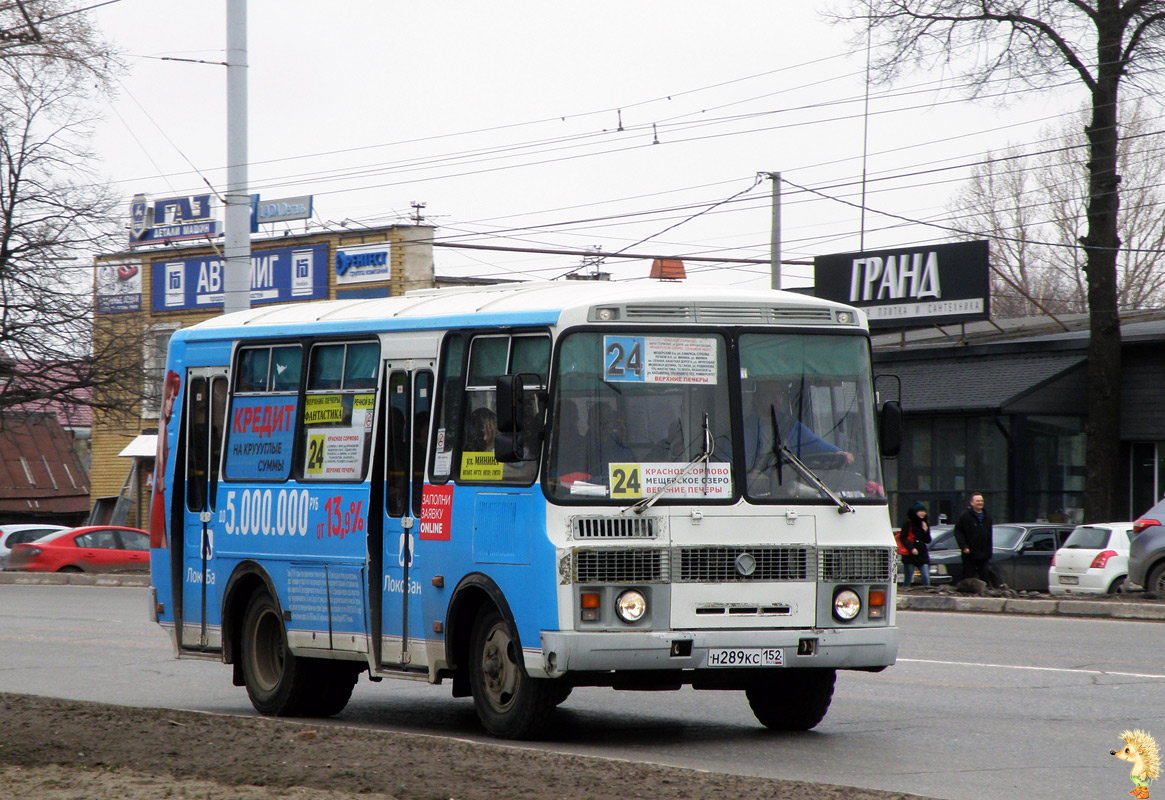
point(659, 359)
point(335, 454)
point(322, 409)
point(480, 466)
point(634, 481)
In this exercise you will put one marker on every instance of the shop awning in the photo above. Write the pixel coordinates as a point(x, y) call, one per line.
point(985, 383)
point(143, 446)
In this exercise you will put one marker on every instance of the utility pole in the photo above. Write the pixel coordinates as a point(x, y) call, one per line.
point(418, 212)
point(237, 247)
point(775, 241)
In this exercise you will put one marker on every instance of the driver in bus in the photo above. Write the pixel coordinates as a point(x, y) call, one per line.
point(772, 394)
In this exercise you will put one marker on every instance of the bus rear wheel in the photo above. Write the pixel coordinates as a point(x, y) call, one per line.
point(278, 682)
point(792, 699)
point(510, 704)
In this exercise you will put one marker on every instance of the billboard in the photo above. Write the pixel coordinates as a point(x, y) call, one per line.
point(119, 288)
point(277, 276)
point(363, 263)
point(929, 285)
point(171, 219)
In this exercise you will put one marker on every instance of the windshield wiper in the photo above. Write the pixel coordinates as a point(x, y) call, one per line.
point(709, 447)
point(782, 453)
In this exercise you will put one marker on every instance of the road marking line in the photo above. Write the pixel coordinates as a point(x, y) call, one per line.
point(1033, 669)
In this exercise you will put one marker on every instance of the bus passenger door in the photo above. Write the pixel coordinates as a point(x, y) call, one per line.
point(408, 407)
point(206, 403)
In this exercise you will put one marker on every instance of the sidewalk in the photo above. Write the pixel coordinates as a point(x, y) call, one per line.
point(74, 578)
point(1111, 607)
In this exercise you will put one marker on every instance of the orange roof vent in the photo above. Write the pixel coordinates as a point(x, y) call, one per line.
point(668, 269)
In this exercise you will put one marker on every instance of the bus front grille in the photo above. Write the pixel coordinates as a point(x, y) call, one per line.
point(860, 564)
point(616, 527)
point(731, 564)
point(728, 564)
point(621, 565)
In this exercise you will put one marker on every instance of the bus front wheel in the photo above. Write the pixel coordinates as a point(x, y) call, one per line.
point(792, 699)
point(510, 704)
point(277, 681)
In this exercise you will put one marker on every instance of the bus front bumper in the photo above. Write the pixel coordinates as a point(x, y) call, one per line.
point(600, 651)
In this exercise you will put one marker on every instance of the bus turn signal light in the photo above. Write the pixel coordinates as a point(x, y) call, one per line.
point(590, 606)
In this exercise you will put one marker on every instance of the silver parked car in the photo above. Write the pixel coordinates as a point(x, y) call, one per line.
point(1147, 552)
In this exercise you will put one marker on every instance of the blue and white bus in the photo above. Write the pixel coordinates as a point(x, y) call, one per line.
point(526, 488)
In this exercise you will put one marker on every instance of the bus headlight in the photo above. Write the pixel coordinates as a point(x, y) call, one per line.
point(631, 606)
point(846, 605)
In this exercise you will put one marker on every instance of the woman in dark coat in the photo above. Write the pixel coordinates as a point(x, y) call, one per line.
point(915, 537)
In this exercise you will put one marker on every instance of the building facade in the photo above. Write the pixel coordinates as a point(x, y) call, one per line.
point(148, 293)
point(1000, 408)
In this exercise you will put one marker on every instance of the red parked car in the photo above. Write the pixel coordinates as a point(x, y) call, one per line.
point(95, 548)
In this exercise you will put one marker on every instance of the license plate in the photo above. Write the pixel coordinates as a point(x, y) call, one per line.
point(746, 657)
point(1069, 579)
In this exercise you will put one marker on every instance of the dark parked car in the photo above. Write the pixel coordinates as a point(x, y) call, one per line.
point(1147, 552)
point(1023, 554)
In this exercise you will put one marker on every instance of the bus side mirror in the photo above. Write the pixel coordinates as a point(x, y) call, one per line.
point(511, 396)
point(890, 429)
point(520, 414)
point(506, 449)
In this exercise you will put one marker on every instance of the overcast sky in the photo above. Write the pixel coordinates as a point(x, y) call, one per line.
point(635, 125)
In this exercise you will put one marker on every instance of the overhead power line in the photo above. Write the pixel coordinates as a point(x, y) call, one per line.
point(618, 254)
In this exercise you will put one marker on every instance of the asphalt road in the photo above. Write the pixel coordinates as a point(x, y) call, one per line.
point(979, 707)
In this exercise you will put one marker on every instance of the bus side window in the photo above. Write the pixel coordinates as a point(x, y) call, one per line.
point(207, 415)
point(338, 411)
point(450, 389)
point(490, 357)
point(218, 416)
point(197, 437)
point(422, 410)
point(397, 488)
point(264, 402)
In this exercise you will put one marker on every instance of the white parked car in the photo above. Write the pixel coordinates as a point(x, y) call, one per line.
point(22, 532)
point(1093, 560)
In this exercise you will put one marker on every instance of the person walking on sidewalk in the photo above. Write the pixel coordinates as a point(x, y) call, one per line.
point(915, 537)
point(975, 537)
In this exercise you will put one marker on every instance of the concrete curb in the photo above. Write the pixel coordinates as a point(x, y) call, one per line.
point(72, 579)
point(1034, 606)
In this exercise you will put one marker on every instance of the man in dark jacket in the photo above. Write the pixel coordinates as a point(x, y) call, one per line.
point(973, 533)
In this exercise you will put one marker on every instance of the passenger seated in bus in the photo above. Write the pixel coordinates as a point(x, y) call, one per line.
point(483, 427)
point(770, 395)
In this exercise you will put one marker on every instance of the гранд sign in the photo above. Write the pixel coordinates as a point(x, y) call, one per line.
point(926, 285)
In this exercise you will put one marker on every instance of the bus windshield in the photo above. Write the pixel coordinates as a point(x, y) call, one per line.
point(640, 413)
point(634, 410)
point(809, 397)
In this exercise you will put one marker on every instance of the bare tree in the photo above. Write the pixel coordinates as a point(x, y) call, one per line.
point(55, 211)
point(1032, 42)
point(1030, 202)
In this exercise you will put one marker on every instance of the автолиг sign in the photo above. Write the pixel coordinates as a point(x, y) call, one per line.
point(277, 276)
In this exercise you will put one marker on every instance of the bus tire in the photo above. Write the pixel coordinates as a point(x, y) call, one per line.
point(334, 682)
point(509, 703)
point(277, 682)
point(792, 699)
